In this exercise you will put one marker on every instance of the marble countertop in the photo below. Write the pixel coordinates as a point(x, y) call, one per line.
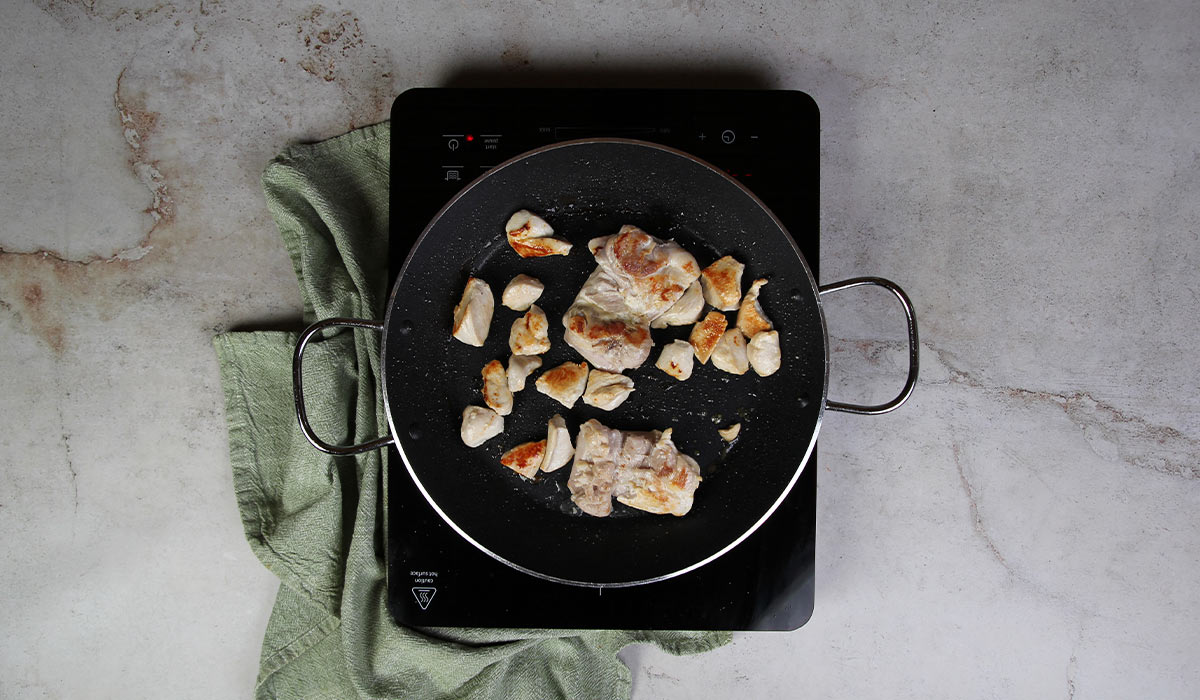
point(1024, 527)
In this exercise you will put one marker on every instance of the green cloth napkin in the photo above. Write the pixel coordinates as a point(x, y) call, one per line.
point(316, 521)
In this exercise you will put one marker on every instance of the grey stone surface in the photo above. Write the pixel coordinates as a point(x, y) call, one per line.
point(1024, 527)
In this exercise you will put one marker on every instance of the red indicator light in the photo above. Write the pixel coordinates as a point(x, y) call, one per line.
point(746, 175)
point(470, 137)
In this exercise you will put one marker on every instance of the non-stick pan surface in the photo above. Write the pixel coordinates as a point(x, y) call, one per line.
point(587, 189)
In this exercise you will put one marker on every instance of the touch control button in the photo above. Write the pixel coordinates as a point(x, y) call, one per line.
point(728, 136)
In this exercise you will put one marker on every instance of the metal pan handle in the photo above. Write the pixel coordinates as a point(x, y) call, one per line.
point(912, 346)
point(298, 379)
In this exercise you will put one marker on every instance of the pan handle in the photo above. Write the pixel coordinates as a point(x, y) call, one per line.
point(912, 346)
point(298, 379)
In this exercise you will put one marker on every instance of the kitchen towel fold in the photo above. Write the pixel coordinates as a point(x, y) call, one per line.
point(315, 520)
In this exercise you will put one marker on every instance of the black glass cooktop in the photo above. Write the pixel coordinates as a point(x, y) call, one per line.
point(442, 139)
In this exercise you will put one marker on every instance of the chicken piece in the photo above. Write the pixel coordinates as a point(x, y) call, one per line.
point(530, 236)
point(643, 470)
point(662, 482)
point(705, 334)
point(530, 334)
point(559, 449)
point(522, 291)
point(637, 278)
point(565, 383)
point(495, 388)
point(526, 458)
point(676, 359)
point(607, 390)
point(519, 369)
point(730, 353)
point(750, 317)
point(479, 425)
point(594, 471)
point(722, 282)
point(686, 310)
point(764, 354)
point(730, 434)
point(473, 315)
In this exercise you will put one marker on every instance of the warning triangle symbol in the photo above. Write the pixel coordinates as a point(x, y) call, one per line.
point(423, 596)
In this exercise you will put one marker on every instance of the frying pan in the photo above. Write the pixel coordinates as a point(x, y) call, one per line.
point(585, 189)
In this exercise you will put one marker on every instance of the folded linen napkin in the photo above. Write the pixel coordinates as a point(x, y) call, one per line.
point(314, 520)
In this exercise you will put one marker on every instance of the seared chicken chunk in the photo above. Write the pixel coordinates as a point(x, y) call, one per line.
point(559, 449)
point(730, 434)
point(643, 470)
point(607, 390)
point(676, 359)
point(479, 425)
point(722, 282)
point(495, 388)
point(530, 334)
point(750, 318)
point(763, 353)
point(530, 236)
point(519, 369)
point(526, 458)
point(664, 482)
point(565, 383)
point(730, 353)
point(473, 315)
point(706, 333)
point(686, 310)
point(522, 291)
point(638, 277)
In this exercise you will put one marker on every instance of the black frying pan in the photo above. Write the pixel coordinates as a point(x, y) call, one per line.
point(587, 189)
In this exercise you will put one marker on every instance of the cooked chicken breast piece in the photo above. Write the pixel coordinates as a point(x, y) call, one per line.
point(530, 334)
point(750, 318)
point(686, 310)
point(479, 425)
point(722, 282)
point(526, 458)
point(607, 390)
point(522, 291)
point(729, 354)
point(565, 383)
point(637, 278)
point(730, 434)
point(559, 449)
point(530, 236)
point(643, 470)
point(663, 482)
point(763, 353)
point(676, 359)
point(473, 315)
point(495, 388)
point(706, 333)
point(519, 369)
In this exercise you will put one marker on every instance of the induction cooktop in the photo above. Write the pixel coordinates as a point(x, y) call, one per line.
point(442, 139)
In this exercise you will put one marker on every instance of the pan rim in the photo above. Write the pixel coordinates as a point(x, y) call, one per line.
point(783, 493)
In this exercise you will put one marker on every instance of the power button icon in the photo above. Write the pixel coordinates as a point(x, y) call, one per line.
point(728, 136)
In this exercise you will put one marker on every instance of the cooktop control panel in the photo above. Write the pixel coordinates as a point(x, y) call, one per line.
point(443, 139)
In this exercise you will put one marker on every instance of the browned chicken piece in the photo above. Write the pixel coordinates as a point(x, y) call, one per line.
point(730, 353)
point(496, 393)
point(607, 390)
point(686, 310)
point(530, 236)
point(473, 314)
point(565, 383)
point(676, 359)
point(705, 334)
point(750, 318)
point(662, 482)
point(479, 425)
point(722, 282)
point(637, 278)
point(530, 334)
point(519, 369)
point(522, 291)
point(526, 458)
point(643, 470)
